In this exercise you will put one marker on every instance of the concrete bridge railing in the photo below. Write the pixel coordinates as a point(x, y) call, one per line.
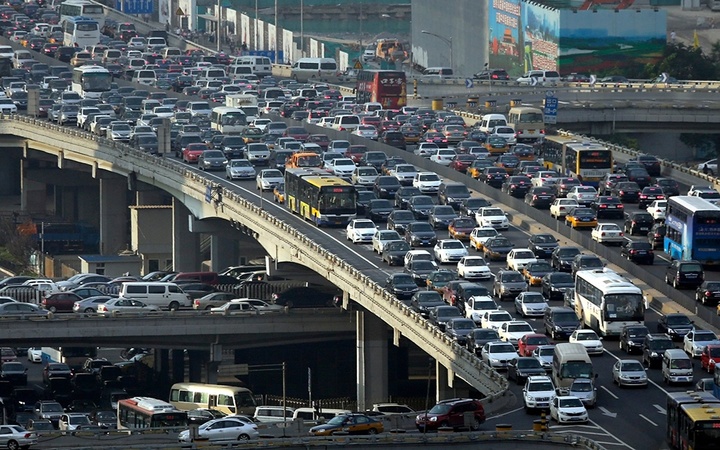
point(280, 240)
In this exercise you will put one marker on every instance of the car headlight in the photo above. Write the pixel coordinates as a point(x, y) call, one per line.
point(653, 354)
point(433, 419)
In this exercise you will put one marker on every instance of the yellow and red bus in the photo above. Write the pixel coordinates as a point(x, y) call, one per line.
point(692, 421)
point(322, 199)
point(387, 87)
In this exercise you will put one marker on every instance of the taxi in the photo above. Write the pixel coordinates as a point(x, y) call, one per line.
point(581, 218)
point(411, 133)
point(279, 193)
point(252, 135)
point(350, 424)
point(535, 271)
point(508, 162)
point(477, 166)
point(461, 228)
point(496, 145)
point(480, 235)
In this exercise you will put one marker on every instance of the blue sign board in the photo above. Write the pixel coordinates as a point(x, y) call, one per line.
point(551, 107)
point(134, 6)
point(469, 83)
point(208, 194)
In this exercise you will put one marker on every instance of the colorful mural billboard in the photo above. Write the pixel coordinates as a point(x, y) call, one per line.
point(527, 35)
point(604, 40)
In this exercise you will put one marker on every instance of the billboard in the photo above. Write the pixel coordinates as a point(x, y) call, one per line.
point(505, 39)
point(541, 26)
point(604, 40)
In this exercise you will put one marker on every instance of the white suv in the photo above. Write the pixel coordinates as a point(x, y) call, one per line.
point(538, 392)
point(427, 182)
point(534, 77)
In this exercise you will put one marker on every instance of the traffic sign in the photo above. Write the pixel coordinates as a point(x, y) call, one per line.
point(358, 65)
point(179, 12)
point(593, 80)
point(551, 107)
point(208, 194)
point(134, 6)
point(469, 83)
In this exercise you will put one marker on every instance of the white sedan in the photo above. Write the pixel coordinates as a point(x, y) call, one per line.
point(568, 409)
point(367, 132)
point(498, 354)
point(480, 235)
point(381, 237)
point(267, 179)
point(473, 267)
point(589, 339)
point(657, 209)
point(228, 429)
point(341, 167)
point(449, 250)
point(34, 354)
point(518, 258)
point(512, 331)
point(607, 233)
point(360, 230)
point(696, 340)
point(424, 149)
point(531, 304)
point(584, 195)
point(125, 305)
point(239, 169)
point(561, 206)
point(494, 319)
point(443, 156)
point(427, 182)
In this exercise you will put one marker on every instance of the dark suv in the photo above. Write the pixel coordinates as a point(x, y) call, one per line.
point(653, 348)
point(607, 206)
point(451, 414)
point(560, 322)
point(685, 274)
point(393, 138)
point(453, 194)
point(632, 337)
point(638, 222)
point(585, 262)
point(562, 258)
point(386, 187)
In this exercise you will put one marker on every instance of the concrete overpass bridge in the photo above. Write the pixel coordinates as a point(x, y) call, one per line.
point(358, 278)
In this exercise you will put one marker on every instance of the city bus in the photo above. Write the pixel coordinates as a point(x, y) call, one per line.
point(693, 229)
point(85, 8)
point(145, 412)
point(693, 421)
point(387, 87)
point(228, 399)
point(321, 199)
point(528, 122)
point(74, 357)
point(80, 32)
point(585, 160)
point(228, 120)
point(606, 301)
point(91, 81)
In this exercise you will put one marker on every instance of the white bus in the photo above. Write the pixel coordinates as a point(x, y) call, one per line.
point(80, 32)
point(528, 122)
point(228, 399)
point(85, 8)
point(145, 412)
point(228, 120)
point(606, 301)
point(91, 81)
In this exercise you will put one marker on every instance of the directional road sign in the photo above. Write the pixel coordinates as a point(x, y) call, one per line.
point(134, 6)
point(551, 107)
point(469, 83)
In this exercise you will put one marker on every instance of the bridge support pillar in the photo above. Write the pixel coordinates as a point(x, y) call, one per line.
point(444, 380)
point(33, 194)
point(223, 252)
point(372, 360)
point(178, 366)
point(197, 358)
point(186, 244)
point(162, 363)
point(114, 214)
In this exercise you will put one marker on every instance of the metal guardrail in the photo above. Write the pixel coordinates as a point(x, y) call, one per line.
point(102, 153)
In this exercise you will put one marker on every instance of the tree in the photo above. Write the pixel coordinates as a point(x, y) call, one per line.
point(15, 248)
point(686, 63)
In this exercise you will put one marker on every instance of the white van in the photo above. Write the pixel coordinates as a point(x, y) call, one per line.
point(490, 121)
point(239, 71)
point(160, 294)
point(308, 414)
point(144, 76)
point(273, 414)
point(260, 65)
point(677, 367)
point(170, 52)
point(346, 123)
point(438, 72)
point(305, 69)
point(212, 73)
point(539, 77)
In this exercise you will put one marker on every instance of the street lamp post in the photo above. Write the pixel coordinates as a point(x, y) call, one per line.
point(447, 40)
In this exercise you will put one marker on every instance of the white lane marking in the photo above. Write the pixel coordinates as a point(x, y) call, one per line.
point(649, 380)
point(606, 412)
point(622, 443)
point(660, 410)
point(505, 413)
point(609, 392)
point(265, 203)
point(648, 419)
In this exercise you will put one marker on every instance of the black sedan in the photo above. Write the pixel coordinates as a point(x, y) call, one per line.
point(404, 194)
point(393, 252)
point(420, 206)
point(363, 200)
point(378, 210)
point(649, 194)
point(554, 285)
point(422, 302)
point(526, 366)
point(420, 234)
point(419, 271)
point(459, 328)
point(542, 244)
point(669, 186)
point(14, 372)
point(497, 248)
point(675, 325)
point(399, 219)
point(562, 258)
point(401, 285)
point(606, 206)
point(540, 197)
point(479, 337)
point(626, 191)
point(708, 293)
point(640, 252)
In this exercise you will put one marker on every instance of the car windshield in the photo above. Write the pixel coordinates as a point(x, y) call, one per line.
point(568, 252)
point(52, 407)
point(442, 276)
point(485, 304)
point(463, 325)
point(439, 409)
point(422, 226)
point(544, 239)
point(632, 366)
point(540, 267)
point(428, 297)
point(529, 363)
point(581, 386)
point(533, 297)
point(586, 336)
point(519, 327)
point(705, 336)
point(337, 420)
point(364, 224)
point(488, 232)
point(681, 364)
point(423, 265)
point(524, 255)
point(570, 403)
point(502, 348)
point(464, 223)
point(500, 242)
point(475, 262)
point(678, 320)
point(541, 386)
point(453, 245)
point(500, 317)
point(511, 277)
point(492, 212)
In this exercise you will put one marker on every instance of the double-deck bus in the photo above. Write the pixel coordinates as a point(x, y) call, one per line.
point(228, 399)
point(91, 81)
point(585, 160)
point(528, 122)
point(693, 421)
point(145, 412)
point(321, 199)
point(606, 301)
point(85, 8)
point(74, 357)
point(693, 229)
point(80, 32)
point(387, 87)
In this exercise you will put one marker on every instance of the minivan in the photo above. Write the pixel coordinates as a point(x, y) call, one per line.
point(685, 274)
point(346, 123)
point(324, 414)
point(239, 71)
point(539, 77)
point(677, 367)
point(259, 65)
point(161, 294)
point(144, 76)
point(305, 69)
point(273, 414)
point(490, 121)
point(438, 72)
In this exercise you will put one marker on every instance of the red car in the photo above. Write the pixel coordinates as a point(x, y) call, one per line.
point(356, 152)
point(709, 357)
point(60, 301)
point(530, 342)
point(451, 413)
point(192, 152)
point(461, 162)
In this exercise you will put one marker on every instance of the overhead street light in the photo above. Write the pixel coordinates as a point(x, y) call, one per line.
point(447, 40)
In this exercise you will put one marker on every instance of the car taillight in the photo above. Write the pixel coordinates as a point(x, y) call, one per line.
point(660, 197)
point(708, 293)
point(603, 206)
point(620, 206)
point(542, 131)
point(643, 196)
point(621, 192)
point(535, 197)
point(632, 252)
